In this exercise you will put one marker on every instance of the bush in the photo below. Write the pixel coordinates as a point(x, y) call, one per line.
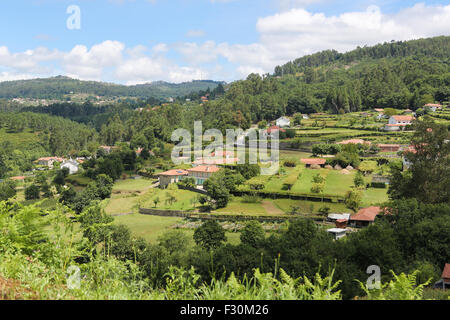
point(32, 192)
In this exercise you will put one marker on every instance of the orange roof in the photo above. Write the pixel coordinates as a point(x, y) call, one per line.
point(379, 110)
point(51, 158)
point(433, 105)
point(275, 128)
point(446, 271)
point(18, 178)
point(174, 172)
point(397, 125)
point(366, 214)
point(385, 145)
point(204, 169)
point(209, 161)
point(354, 141)
point(313, 161)
point(403, 118)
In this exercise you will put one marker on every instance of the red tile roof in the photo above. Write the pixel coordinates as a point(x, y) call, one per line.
point(174, 172)
point(385, 145)
point(403, 118)
point(211, 169)
point(354, 141)
point(313, 161)
point(274, 129)
point(216, 161)
point(433, 105)
point(18, 178)
point(446, 271)
point(366, 214)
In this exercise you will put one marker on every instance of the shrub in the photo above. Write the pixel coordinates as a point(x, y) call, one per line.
point(32, 192)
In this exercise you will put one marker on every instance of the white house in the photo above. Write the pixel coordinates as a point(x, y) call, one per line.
point(433, 106)
point(337, 232)
point(397, 123)
point(72, 165)
point(283, 122)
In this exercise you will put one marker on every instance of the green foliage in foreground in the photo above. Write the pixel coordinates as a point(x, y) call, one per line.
point(35, 264)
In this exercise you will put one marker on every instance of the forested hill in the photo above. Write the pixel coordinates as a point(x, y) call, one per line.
point(57, 87)
point(398, 75)
point(438, 47)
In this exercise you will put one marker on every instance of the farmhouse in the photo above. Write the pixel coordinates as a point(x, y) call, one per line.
point(283, 122)
point(273, 130)
point(388, 147)
point(433, 106)
point(201, 173)
point(364, 217)
point(354, 141)
point(18, 178)
point(444, 283)
point(337, 232)
point(72, 165)
point(311, 161)
point(332, 217)
point(108, 149)
point(379, 110)
point(406, 162)
point(171, 176)
point(48, 161)
point(397, 123)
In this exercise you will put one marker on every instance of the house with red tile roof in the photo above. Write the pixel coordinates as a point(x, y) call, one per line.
point(384, 147)
point(354, 141)
point(365, 216)
point(397, 123)
point(171, 176)
point(48, 161)
point(444, 283)
point(272, 131)
point(202, 172)
point(18, 178)
point(310, 161)
point(433, 106)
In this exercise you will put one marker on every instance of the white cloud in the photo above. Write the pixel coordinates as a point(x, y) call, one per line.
point(297, 32)
point(283, 36)
point(195, 33)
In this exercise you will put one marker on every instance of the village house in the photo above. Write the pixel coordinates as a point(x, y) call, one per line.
point(388, 147)
point(364, 217)
point(405, 151)
point(397, 123)
point(354, 141)
point(48, 161)
point(444, 283)
point(313, 161)
point(108, 149)
point(433, 106)
point(283, 122)
point(202, 172)
point(337, 232)
point(332, 217)
point(72, 165)
point(272, 131)
point(171, 176)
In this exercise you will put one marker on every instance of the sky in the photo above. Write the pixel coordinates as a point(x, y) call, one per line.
point(139, 41)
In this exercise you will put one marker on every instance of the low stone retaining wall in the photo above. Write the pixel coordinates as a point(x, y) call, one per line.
point(207, 216)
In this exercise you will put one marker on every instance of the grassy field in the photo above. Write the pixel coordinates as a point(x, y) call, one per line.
point(152, 227)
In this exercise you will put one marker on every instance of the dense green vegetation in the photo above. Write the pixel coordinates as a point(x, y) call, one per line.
point(59, 87)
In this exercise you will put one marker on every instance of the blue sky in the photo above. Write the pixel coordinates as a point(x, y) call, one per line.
point(136, 41)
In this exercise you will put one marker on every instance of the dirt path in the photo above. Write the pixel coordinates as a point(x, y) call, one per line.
point(271, 208)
